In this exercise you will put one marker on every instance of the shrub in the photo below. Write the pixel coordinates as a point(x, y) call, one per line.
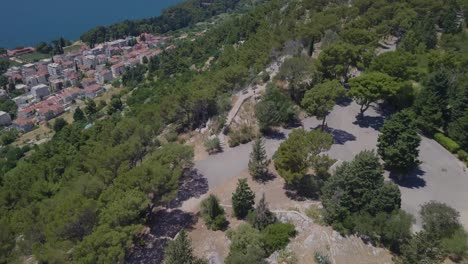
point(462, 155)
point(316, 214)
point(171, 136)
point(447, 142)
point(243, 135)
point(287, 257)
point(213, 145)
point(213, 213)
point(276, 236)
point(321, 258)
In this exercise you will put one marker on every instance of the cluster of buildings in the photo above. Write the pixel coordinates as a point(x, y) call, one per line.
point(48, 87)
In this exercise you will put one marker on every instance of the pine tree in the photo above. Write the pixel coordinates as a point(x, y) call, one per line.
point(78, 115)
point(398, 143)
point(179, 251)
point(242, 199)
point(258, 163)
point(262, 217)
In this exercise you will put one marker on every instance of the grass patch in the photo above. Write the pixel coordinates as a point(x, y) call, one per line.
point(315, 213)
point(33, 57)
point(72, 48)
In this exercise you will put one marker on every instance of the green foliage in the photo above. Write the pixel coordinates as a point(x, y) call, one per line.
point(299, 152)
point(396, 64)
point(90, 108)
point(262, 217)
point(246, 246)
point(446, 142)
point(9, 106)
point(371, 87)
point(316, 214)
point(320, 258)
point(116, 105)
point(258, 162)
point(242, 199)
point(296, 71)
point(431, 104)
point(241, 135)
point(321, 99)
point(78, 115)
point(398, 143)
point(213, 213)
point(456, 245)
point(462, 155)
point(8, 136)
point(213, 145)
point(335, 61)
point(4, 65)
point(276, 236)
point(439, 219)
point(358, 186)
point(287, 257)
point(179, 251)
point(59, 124)
point(457, 130)
point(274, 109)
point(422, 249)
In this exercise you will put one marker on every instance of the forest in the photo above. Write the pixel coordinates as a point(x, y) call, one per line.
point(85, 196)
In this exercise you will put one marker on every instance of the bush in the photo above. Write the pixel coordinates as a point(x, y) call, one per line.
point(316, 214)
point(462, 155)
point(321, 258)
point(447, 142)
point(276, 236)
point(171, 136)
point(243, 135)
point(213, 145)
point(213, 213)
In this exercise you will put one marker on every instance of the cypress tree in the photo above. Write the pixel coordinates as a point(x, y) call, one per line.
point(258, 163)
point(242, 199)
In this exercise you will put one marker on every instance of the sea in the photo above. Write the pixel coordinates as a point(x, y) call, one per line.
point(27, 22)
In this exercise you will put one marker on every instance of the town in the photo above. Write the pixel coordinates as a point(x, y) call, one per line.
point(49, 87)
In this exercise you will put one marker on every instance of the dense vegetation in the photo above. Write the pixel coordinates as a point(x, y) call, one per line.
point(185, 14)
point(83, 196)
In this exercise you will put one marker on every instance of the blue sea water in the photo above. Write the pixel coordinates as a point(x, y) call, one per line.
point(27, 22)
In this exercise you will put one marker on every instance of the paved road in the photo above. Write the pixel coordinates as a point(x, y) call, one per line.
point(441, 176)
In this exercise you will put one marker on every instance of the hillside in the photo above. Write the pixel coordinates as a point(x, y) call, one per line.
point(350, 116)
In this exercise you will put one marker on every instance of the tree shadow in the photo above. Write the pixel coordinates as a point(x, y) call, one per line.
point(274, 134)
point(302, 191)
point(345, 101)
point(191, 184)
point(412, 180)
point(165, 225)
point(375, 122)
point(340, 136)
point(266, 178)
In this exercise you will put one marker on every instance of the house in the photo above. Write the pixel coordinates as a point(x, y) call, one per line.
point(35, 80)
point(54, 69)
point(89, 61)
point(88, 82)
point(118, 69)
point(67, 95)
point(57, 84)
point(21, 87)
point(5, 119)
point(103, 76)
point(20, 100)
point(23, 124)
point(17, 52)
point(3, 94)
point(93, 91)
point(40, 91)
point(48, 109)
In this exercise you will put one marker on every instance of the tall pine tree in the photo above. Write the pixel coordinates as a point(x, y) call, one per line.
point(242, 199)
point(258, 163)
point(398, 143)
point(262, 216)
point(179, 251)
